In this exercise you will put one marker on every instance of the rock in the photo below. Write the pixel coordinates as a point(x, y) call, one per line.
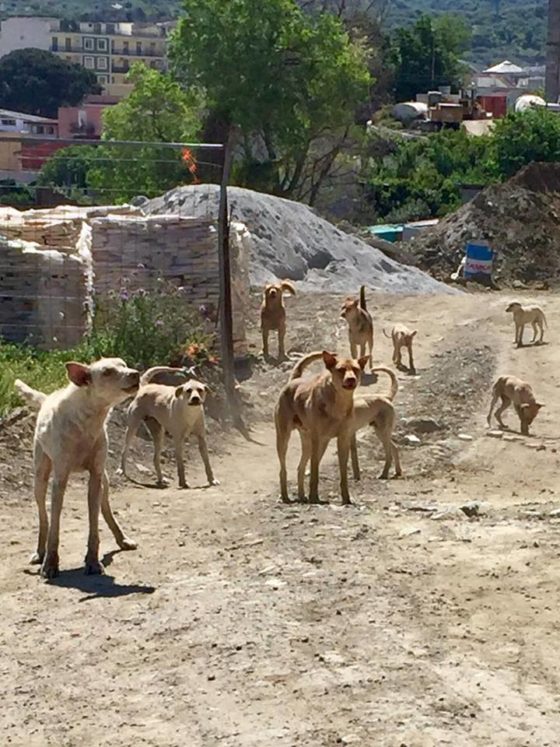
point(408, 533)
point(411, 439)
point(510, 437)
point(464, 437)
point(423, 425)
point(494, 434)
point(518, 284)
point(555, 513)
point(470, 509)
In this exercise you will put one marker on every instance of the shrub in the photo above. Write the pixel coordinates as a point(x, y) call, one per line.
point(143, 328)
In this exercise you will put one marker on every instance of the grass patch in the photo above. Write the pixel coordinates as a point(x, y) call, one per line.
point(144, 329)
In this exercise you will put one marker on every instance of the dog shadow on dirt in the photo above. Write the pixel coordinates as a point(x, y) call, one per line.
point(98, 587)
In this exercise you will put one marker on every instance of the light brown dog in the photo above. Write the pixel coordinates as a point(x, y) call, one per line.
point(70, 436)
point(514, 391)
point(179, 410)
point(273, 314)
point(402, 337)
point(378, 411)
point(360, 325)
point(523, 315)
point(320, 407)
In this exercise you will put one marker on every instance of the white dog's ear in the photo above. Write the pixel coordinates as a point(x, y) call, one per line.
point(180, 390)
point(413, 334)
point(329, 359)
point(207, 389)
point(540, 405)
point(78, 373)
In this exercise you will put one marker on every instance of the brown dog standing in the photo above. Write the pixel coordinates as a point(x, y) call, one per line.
point(514, 391)
point(273, 314)
point(402, 337)
point(320, 407)
point(360, 325)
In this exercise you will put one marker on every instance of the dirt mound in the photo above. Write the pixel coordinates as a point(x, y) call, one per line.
point(519, 218)
point(290, 241)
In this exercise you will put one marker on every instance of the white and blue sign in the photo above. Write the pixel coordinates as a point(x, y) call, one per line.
point(478, 259)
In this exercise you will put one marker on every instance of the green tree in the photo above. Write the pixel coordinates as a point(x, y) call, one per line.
point(68, 170)
point(519, 138)
point(38, 82)
point(290, 83)
point(426, 55)
point(157, 110)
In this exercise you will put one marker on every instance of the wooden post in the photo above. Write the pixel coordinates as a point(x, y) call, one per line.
point(226, 316)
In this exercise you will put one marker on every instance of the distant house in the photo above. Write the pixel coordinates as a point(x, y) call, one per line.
point(107, 49)
point(27, 124)
point(85, 120)
point(20, 160)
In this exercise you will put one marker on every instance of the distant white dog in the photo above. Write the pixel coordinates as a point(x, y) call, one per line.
point(523, 315)
point(70, 436)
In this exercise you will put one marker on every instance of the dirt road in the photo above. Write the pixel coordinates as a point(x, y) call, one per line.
point(242, 622)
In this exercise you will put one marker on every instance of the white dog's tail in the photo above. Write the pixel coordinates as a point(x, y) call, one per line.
point(306, 361)
point(31, 396)
point(389, 337)
point(394, 383)
point(149, 375)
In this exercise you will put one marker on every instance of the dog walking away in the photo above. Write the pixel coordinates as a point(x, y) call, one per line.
point(523, 315)
point(179, 410)
point(273, 314)
point(402, 337)
point(378, 411)
point(320, 408)
point(360, 325)
point(514, 391)
point(70, 436)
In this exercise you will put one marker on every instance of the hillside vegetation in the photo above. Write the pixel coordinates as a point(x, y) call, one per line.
point(501, 28)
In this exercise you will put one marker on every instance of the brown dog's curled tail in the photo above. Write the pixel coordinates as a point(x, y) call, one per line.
point(287, 287)
point(304, 362)
point(31, 396)
point(149, 375)
point(363, 304)
point(386, 335)
point(394, 383)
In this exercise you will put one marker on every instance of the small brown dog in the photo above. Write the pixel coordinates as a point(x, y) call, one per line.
point(378, 411)
point(402, 337)
point(360, 325)
point(273, 314)
point(514, 391)
point(320, 407)
point(523, 315)
point(177, 410)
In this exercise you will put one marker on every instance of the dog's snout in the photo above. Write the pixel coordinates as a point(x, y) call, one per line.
point(350, 382)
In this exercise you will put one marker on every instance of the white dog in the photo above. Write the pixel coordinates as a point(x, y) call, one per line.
point(179, 410)
point(523, 315)
point(70, 436)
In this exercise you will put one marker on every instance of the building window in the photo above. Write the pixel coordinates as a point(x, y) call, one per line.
point(88, 44)
point(96, 28)
point(68, 44)
point(8, 122)
point(102, 63)
point(54, 44)
point(50, 130)
point(102, 45)
point(110, 28)
point(102, 79)
point(138, 47)
point(125, 48)
point(89, 63)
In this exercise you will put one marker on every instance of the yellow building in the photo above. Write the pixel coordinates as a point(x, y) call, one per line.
point(108, 49)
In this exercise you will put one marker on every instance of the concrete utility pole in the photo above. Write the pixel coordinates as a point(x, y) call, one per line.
point(552, 80)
